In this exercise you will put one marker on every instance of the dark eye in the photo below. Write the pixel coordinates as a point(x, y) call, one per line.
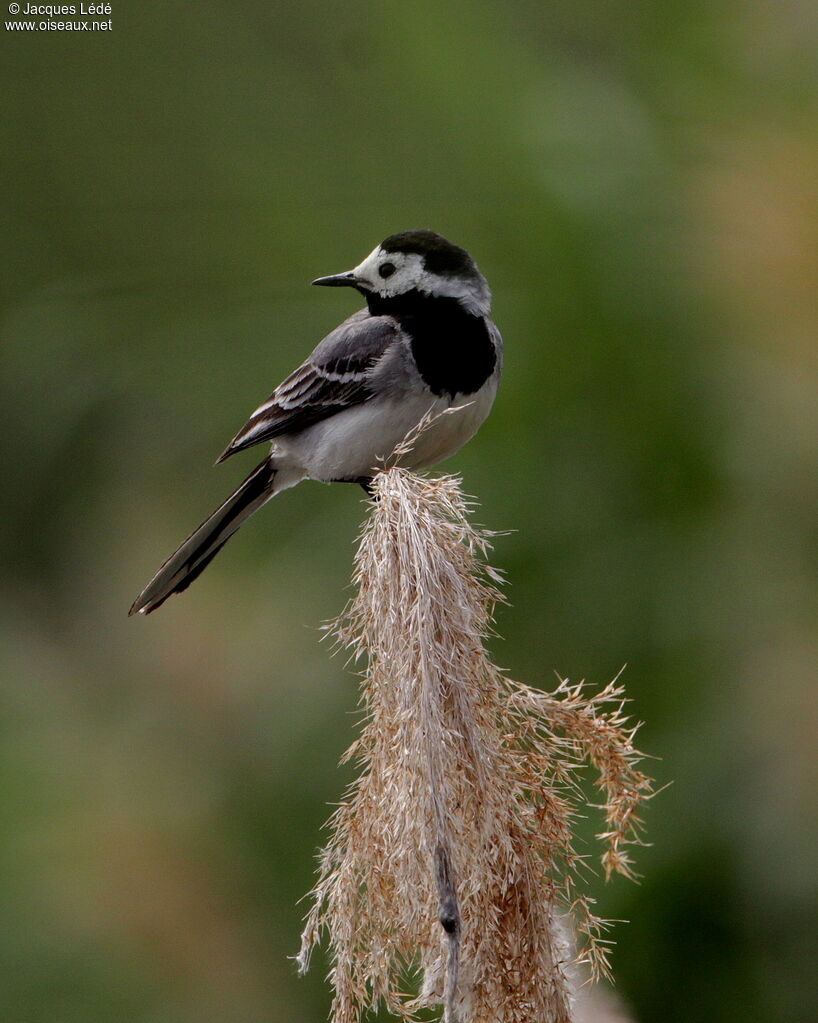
point(386, 269)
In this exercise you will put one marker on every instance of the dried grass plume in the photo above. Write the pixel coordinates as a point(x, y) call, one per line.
point(452, 853)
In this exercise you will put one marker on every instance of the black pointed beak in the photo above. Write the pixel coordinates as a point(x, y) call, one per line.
point(347, 280)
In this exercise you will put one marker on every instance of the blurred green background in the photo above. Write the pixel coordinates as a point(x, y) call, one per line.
point(637, 182)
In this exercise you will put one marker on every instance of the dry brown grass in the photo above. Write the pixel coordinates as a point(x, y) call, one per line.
point(453, 850)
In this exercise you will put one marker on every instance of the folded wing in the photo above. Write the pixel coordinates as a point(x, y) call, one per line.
point(335, 377)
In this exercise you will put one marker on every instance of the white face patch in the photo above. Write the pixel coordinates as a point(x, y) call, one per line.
point(404, 271)
point(391, 273)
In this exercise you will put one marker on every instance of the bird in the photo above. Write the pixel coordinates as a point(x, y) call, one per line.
point(422, 360)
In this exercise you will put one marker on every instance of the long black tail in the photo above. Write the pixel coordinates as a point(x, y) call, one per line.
point(202, 546)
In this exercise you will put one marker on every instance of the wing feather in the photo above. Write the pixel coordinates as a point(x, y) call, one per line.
point(336, 376)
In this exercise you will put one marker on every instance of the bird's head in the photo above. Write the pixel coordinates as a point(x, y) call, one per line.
point(417, 263)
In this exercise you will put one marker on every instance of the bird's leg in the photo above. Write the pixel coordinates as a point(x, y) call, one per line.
point(368, 489)
point(363, 481)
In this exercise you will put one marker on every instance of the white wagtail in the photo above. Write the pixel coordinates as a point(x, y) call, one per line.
point(424, 345)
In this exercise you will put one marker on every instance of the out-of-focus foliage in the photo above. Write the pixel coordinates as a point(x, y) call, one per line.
point(637, 183)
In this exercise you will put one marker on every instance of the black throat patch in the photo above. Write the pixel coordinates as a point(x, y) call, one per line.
point(452, 348)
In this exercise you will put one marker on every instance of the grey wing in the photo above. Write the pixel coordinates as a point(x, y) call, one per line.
point(336, 376)
point(497, 341)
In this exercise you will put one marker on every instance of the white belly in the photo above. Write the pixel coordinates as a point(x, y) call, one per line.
point(361, 440)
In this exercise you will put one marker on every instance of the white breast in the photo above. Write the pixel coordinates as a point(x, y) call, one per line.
point(361, 440)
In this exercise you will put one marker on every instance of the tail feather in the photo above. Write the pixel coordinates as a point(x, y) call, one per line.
point(196, 553)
